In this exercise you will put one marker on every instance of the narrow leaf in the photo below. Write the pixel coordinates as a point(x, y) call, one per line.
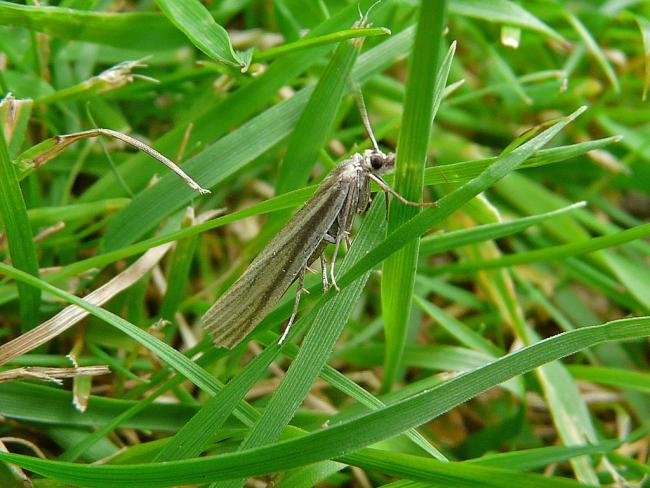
point(19, 235)
point(419, 106)
point(196, 22)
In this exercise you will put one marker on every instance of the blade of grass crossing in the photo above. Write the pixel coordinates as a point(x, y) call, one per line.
point(336, 441)
point(194, 436)
point(318, 343)
point(569, 411)
point(451, 202)
point(182, 364)
point(399, 269)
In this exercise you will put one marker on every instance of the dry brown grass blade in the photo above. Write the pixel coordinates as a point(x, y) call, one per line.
point(63, 141)
point(72, 314)
point(51, 374)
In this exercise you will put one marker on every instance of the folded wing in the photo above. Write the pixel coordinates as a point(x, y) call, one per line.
point(271, 273)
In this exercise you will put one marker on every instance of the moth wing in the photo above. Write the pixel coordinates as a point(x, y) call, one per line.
point(277, 266)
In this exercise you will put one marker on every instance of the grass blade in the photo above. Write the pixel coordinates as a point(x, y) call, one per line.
point(196, 22)
point(148, 31)
point(503, 11)
point(335, 442)
point(399, 269)
point(19, 236)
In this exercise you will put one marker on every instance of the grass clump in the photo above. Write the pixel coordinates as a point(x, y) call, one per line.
point(499, 335)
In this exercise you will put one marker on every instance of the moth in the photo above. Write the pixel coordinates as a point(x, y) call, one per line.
point(326, 218)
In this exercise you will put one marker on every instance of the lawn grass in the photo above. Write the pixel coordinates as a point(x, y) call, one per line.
point(497, 337)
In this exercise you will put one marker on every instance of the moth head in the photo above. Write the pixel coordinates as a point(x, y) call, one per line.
point(377, 161)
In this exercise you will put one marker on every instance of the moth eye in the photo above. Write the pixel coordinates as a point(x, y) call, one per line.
point(376, 161)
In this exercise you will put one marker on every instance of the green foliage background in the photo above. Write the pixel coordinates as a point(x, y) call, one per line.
point(499, 336)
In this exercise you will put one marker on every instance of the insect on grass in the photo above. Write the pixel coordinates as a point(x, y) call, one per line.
point(326, 218)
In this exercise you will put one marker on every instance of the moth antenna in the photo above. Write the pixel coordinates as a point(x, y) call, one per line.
point(361, 105)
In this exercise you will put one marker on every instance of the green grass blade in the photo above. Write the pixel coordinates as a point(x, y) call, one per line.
point(539, 457)
point(595, 50)
point(644, 27)
point(412, 148)
point(465, 170)
point(620, 378)
point(562, 251)
point(145, 30)
point(335, 441)
point(14, 117)
point(47, 405)
point(456, 328)
point(570, 413)
point(307, 43)
point(179, 271)
point(454, 239)
point(629, 273)
point(19, 236)
point(449, 474)
point(502, 11)
point(196, 22)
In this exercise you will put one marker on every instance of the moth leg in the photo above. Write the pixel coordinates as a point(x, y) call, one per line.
point(323, 269)
point(296, 303)
point(332, 278)
point(384, 186)
point(348, 241)
point(343, 219)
